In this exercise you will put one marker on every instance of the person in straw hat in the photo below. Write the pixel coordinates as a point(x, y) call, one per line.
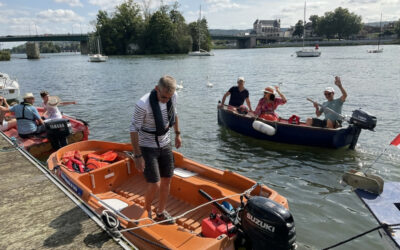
point(268, 104)
point(29, 121)
point(50, 104)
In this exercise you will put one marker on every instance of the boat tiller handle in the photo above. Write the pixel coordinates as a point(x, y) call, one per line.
point(221, 208)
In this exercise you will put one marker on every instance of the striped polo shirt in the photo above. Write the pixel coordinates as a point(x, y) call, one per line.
point(143, 118)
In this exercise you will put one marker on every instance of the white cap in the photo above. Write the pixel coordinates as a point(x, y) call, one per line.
point(329, 89)
point(241, 78)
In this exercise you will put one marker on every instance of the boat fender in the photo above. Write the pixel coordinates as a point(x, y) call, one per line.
point(294, 119)
point(264, 128)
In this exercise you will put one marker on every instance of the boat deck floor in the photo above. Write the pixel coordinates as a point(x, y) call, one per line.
point(134, 190)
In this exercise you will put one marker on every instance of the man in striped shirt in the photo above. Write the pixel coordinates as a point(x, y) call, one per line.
point(154, 114)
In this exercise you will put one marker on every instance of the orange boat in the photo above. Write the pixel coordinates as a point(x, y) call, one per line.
point(251, 216)
point(40, 146)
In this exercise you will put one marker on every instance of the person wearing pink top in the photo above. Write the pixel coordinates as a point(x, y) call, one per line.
point(268, 104)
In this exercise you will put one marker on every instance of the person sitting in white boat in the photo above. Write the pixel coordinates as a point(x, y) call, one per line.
point(29, 121)
point(50, 104)
point(237, 95)
point(267, 105)
point(331, 120)
point(154, 115)
point(5, 123)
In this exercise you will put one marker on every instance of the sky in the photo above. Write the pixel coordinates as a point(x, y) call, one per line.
point(24, 17)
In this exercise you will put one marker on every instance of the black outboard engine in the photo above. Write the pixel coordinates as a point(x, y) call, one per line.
point(363, 120)
point(268, 225)
point(57, 132)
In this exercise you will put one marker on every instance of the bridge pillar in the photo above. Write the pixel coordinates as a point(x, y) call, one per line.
point(247, 43)
point(84, 48)
point(32, 50)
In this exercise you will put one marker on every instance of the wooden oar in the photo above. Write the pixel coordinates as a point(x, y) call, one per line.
point(329, 110)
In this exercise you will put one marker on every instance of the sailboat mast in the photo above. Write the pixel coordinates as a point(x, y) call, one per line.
point(198, 27)
point(380, 31)
point(98, 45)
point(304, 23)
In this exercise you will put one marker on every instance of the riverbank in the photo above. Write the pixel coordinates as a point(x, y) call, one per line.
point(5, 56)
point(312, 43)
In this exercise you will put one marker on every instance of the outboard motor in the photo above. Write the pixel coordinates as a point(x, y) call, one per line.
point(268, 225)
point(57, 132)
point(361, 120)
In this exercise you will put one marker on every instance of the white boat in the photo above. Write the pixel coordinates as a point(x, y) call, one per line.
point(98, 57)
point(200, 52)
point(378, 50)
point(9, 88)
point(307, 52)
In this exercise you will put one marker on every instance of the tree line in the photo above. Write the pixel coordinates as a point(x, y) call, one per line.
point(132, 29)
point(340, 23)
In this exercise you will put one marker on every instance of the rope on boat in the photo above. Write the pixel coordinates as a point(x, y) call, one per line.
point(248, 191)
point(384, 226)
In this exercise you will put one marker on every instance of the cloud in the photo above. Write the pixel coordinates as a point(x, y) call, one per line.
point(106, 4)
point(1, 4)
point(72, 3)
point(59, 16)
point(222, 5)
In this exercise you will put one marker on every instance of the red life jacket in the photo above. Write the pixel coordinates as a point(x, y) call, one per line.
point(96, 161)
point(294, 119)
point(269, 117)
point(73, 161)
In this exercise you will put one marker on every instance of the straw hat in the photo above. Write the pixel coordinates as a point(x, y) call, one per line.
point(53, 101)
point(269, 90)
point(28, 95)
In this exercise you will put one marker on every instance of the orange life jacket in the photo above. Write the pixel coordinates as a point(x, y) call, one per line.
point(74, 161)
point(269, 117)
point(96, 161)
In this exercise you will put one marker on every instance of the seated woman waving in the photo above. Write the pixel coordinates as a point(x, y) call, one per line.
point(267, 105)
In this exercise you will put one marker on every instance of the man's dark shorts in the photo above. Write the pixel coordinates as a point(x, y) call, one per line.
point(322, 123)
point(159, 162)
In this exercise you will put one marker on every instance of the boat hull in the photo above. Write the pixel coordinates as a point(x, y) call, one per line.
point(302, 53)
point(386, 209)
point(200, 53)
point(40, 147)
point(98, 58)
point(121, 181)
point(288, 133)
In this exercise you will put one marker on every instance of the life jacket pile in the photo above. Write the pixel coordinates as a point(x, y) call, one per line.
point(74, 161)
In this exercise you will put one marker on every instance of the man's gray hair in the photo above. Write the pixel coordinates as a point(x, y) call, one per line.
point(167, 83)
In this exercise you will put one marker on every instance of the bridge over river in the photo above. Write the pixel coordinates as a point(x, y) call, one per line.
point(32, 48)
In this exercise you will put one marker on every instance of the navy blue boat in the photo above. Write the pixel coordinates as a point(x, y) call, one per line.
point(386, 209)
point(295, 132)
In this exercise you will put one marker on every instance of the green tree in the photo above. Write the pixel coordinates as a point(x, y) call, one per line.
point(159, 34)
point(339, 23)
point(298, 29)
point(199, 30)
point(121, 29)
point(314, 23)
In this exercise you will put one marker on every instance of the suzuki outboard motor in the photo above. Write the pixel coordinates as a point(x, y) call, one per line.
point(268, 225)
point(363, 120)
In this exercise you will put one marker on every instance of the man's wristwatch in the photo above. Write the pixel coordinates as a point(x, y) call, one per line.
point(177, 132)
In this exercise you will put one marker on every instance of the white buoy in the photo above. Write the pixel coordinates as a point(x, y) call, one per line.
point(209, 84)
point(264, 128)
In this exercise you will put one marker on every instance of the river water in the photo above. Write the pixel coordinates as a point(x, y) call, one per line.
point(324, 210)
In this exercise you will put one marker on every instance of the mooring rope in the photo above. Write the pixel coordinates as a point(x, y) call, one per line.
point(384, 226)
point(248, 191)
